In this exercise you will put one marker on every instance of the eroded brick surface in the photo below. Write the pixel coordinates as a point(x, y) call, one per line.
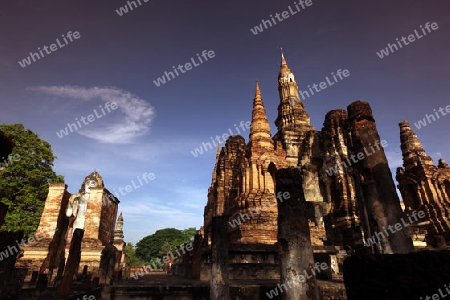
point(424, 187)
point(93, 209)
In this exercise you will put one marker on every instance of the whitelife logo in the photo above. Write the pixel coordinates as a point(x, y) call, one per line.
point(85, 297)
point(90, 118)
point(8, 161)
point(436, 296)
point(423, 123)
point(187, 66)
point(27, 61)
point(302, 278)
point(411, 38)
point(198, 151)
point(323, 85)
point(124, 9)
point(128, 188)
point(372, 240)
point(360, 156)
point(5, 255)
point(280, 17)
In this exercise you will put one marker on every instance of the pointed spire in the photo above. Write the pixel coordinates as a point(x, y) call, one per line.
point(259, 128)
point(292, 121)
point(291, 111)
point(118, 233)
point(119, 225)
point(283, 61)
point(218, 150)
point(285, 72)
point(257, 91)
point(214, 173)
point(412, 149)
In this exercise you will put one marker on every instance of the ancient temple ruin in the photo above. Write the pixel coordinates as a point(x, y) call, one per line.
point(343, 171)
point(94, 210)
point(425, 187)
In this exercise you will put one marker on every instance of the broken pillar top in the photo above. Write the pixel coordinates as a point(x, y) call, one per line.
point(359, 110)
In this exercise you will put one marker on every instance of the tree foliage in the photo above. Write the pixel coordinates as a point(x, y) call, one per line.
point(163, 241)
point(189, 233)
point(24, 182)
point(132, 259)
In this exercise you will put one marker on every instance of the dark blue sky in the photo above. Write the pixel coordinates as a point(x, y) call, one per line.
point(154, 129)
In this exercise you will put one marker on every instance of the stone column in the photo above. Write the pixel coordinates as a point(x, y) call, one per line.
point(298, 280)
point(243, 182)
point(254, 181)
point(72, 264)
point(50, 217)
point(268, 183)
point(378, 187)
point(219, 282)
point(259, 179)
point(93, 214)
point(247, 180)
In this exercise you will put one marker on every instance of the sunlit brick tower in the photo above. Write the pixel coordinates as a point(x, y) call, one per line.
point(425, 187)
point(300, 140)
point(293, 121)
point(93, 209)
point(243, 187)
point(258, 182)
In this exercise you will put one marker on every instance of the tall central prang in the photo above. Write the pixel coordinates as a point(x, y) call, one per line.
point(293, 121)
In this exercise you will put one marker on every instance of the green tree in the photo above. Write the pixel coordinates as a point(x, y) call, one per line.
point(132, 259)
point(24, 182)
point(189, 233)
point(163, 241)
point(166, 248)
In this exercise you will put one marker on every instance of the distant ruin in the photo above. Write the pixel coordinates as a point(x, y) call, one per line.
point(93, 210)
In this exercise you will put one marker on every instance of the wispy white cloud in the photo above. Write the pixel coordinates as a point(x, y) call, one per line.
point(138, 114)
